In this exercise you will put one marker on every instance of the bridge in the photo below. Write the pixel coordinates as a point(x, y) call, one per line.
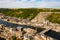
point(45, 31)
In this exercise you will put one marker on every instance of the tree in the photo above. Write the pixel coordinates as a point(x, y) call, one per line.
point(14, 38)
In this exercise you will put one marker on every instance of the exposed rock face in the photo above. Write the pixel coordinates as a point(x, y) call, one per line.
point(40, 18)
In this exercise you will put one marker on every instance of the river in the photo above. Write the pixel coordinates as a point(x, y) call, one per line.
point(8, 24)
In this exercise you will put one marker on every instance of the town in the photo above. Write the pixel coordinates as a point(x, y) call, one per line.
point(12, 28)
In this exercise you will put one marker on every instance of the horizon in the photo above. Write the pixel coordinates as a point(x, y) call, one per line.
point(30, 3)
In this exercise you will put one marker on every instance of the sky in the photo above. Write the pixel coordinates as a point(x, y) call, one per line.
point(29, 3)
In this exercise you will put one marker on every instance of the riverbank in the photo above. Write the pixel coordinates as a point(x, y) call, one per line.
point(35, 27)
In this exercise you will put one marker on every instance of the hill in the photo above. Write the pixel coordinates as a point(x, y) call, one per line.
point(28, 13)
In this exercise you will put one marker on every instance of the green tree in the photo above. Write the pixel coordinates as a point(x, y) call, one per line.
point(14, 38)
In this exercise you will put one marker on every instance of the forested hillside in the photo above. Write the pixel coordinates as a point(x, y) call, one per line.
point(54, 18)
point(29, 13)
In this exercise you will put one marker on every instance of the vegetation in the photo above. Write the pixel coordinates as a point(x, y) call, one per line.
point(20, 13)
point(20, 39)
point(54, 18)
point(25, 13)
point(14, 38)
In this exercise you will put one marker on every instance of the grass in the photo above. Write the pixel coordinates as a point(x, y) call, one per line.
point(28, 13)
point(20, 13)
point(54, 18)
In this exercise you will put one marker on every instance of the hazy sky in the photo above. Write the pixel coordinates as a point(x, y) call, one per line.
point(29, 3)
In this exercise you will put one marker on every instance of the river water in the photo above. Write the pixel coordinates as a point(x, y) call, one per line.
point(49, 33)
point(23, 26)
point(53, 34)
